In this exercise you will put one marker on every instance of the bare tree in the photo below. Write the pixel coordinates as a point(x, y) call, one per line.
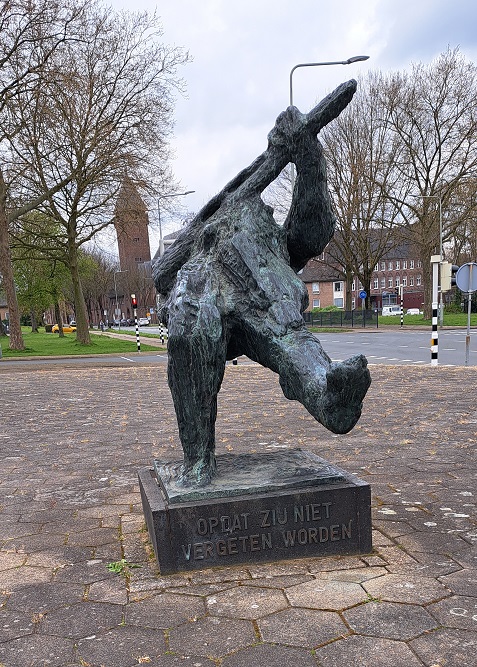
point(432, 112)
point(361, 155)
point(104, 111)
point(30, 33)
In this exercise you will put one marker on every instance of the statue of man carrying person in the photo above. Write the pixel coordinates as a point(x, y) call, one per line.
point(230, 287)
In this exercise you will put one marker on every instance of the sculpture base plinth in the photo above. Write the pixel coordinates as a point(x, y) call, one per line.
point(294, 505)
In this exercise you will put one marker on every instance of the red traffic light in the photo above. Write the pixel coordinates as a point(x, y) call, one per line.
point(133, 301)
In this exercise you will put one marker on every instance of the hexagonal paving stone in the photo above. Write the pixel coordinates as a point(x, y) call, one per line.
point(359, 651)
point(463, 582)
point(302, 627)
point(271, 656)
point(122, 647)
point(15, 624)
point(82, 619)
point(11, 559)
point(45, 597)
point(212, 636)
point(165, 610)
point(356, 576)
point(10, 580)
point(390, 620)
point(326, 594)
point(452, 648)
point(456, 612)
point(181, 661)
point(246, 602)
point(36, 650)
point(400, 588)
point(109, 590)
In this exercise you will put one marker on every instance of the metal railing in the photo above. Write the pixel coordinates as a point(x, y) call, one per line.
point(342, 318)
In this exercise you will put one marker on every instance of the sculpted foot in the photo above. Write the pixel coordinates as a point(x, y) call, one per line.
point(342, 400)
point(199, 473)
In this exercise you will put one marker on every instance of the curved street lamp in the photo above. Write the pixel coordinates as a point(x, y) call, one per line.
point(349, 61)
point(174, 194)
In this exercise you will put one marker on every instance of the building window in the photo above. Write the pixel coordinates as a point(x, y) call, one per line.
point(398, 281)
point(398, 264)
point(383, 266)
point(419, 264)
point(375, 283)
point(390, 282)
point(411, 281)
point(404, 263)
point(353, 286)
point(316, 303)
point(383, 283)
point(418, 280)
point(390, 266)
point(136, 239)
point(338, 302)
point(404, 281)
point(338, 287)
point(411, 263)
point(315, 288)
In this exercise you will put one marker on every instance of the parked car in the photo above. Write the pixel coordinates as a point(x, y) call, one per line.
point(67, 328)
point(391, 310)
point(143, 322)
point(413, 311)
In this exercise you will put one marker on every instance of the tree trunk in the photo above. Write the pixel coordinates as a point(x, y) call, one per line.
point(81, 313)
point(34, 321)
point(58, 319)
point(6, 268)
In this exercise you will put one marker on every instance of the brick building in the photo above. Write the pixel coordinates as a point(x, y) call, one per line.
point(326, 285)
point(131, 222)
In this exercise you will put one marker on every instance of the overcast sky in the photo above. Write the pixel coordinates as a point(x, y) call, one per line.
point(243, 52)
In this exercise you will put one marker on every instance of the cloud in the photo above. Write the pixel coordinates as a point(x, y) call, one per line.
point(243, 53)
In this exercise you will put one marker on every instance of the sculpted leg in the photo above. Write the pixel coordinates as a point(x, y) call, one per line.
point(331, 392)
point(197, 352)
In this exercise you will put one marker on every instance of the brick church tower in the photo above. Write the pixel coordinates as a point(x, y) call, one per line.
point(131, 221)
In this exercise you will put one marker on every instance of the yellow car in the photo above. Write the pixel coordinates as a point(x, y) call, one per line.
point(67, 328)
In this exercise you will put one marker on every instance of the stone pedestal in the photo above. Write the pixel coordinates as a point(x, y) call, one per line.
point(259, 507)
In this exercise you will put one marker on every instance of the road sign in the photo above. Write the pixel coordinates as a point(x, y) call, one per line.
point(466, 277)
point(363, 294)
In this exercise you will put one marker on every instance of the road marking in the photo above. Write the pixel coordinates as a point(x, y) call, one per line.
point(127, 359)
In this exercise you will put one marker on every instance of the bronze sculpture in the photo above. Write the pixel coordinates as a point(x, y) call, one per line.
point(230, 287)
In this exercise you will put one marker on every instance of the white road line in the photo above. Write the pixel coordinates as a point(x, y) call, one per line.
point(127, 358)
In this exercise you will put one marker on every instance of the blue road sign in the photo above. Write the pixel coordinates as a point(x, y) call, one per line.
point(466, 277)
point(363, 294)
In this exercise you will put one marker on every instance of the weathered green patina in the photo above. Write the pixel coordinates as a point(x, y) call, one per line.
point(230, 287)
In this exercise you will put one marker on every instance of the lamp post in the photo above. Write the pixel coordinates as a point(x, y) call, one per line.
point(174, 194)
point(350, 61)
point(116, 295)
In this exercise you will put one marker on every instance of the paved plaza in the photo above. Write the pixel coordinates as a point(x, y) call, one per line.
point(71, 443)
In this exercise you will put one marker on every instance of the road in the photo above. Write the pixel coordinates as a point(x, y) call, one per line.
point(392, 347)
point(401, 346)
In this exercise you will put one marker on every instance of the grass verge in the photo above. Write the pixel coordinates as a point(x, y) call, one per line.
point(48, 345)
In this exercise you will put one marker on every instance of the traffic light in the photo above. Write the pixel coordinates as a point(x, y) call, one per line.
point(448, 272)
point(133, 301)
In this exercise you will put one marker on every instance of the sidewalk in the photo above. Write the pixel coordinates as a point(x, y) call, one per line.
point(71, 445)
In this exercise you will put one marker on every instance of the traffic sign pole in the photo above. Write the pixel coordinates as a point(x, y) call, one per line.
point(466, 279)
